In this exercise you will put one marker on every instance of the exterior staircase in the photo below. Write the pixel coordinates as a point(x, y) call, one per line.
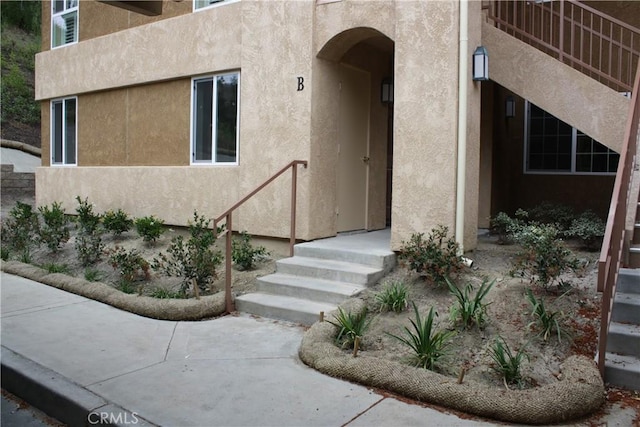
point(320, 275)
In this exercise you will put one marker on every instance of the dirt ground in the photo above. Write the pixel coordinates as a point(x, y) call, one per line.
point(508, 312)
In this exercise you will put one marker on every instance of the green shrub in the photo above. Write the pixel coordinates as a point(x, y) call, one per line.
point(552, 213)
point(544, 256)
point(88, 221)
point(129, 264)
point(126, 286)
point(89, 238)
point(505, 227)
point(93, 275)
point(546, 320)
point(393, 297)
point(149, 228)
point(508, 365)
point(589, 228)
point(428, 345)
point(162, 293)
point(244, 254)
point(20, 230)
point(195, 259)
point(117, 222)
point(435, 256)
point(56, 268)
point(350, 326)
point(54, 231)
point(469, 310)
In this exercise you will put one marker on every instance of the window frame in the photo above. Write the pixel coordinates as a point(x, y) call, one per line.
point(574, 145)
point(214, 97)
point(65, 11)
point(217, 3)
point(64, 132)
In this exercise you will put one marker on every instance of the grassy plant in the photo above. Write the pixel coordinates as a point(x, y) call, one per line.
point(195, 259)
point(54, 231)
point(393, 297)
point(469, 309)
point(93, 275)
point(4, 253)
point(244, 254)
point(130, 264)
point(435, 256)
point(428, 345)
point(117, 222)
point(162, 293)
point(544, 257)
point(20, 230)
point(507, 364)
point(547, 321)
point(25, 257)
point(126, 286)
point(350, 326)
point(149, 228)
point(56, 268)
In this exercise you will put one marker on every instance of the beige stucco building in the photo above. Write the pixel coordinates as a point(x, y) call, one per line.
point(189, 106)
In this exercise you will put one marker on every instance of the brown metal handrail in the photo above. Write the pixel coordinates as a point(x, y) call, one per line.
point(580, 36)
point(229, 306)
point(616, 240)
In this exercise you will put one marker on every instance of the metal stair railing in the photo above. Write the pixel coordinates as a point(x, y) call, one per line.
point(578, 35)
point(616, 239)
point(229, 306)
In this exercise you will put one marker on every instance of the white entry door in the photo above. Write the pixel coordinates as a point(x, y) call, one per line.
point(353, 140)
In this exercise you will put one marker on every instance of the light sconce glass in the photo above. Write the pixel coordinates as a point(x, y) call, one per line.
point(480, 64)
point(510, 107)
point(386, 91)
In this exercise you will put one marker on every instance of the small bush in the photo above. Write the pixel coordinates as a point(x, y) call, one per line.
point(92, 275)
point(88, 221)
point(435, 256)
point(350, 326)
point(393, 297)
point(194, 259)
point(544, 256)
point(149, 228)
point(20, 231)
point(508, 365)
point(54, 231)
point(117, 222)
point(428, 345)
point(469, 310)
point(552, 213)
point(129, 264)
point(89, 247)
point(244, 254)
point(505, 227)
point(546, 320)
point(589, 228)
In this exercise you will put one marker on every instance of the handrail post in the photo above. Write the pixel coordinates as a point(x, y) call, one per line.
point(561, 32)
point(294, 184)
point(227, 275)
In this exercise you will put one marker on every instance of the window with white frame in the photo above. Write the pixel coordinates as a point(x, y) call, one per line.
point(215, 110)
point(64, 22)
point(201, 4)
point(553, 146)
point(64, 131)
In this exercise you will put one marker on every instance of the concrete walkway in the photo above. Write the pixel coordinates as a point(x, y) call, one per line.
point(81, 361)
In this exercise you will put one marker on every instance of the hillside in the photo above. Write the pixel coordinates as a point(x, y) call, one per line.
point(20, 113)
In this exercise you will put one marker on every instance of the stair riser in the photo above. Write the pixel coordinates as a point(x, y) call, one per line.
point(628, 282)
point(384, 262)
point(624, 312)
point(624, 344)
point(304, 293)
point(290, 314)
point(636, 235)
point(619, 376)
point(634, 260)
point(328, 274)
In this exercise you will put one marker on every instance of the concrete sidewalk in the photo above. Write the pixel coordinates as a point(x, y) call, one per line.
point(81, 361)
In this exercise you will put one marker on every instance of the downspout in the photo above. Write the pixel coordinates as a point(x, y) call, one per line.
point(462, 122)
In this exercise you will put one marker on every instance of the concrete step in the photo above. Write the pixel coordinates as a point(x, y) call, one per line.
point(318, 290)
point(623, 371)
point(626, 308)
point(383, 259)
point(282, 307)
point(636, 234)
point(628, 281)
point(338, 271)
point(624, 338)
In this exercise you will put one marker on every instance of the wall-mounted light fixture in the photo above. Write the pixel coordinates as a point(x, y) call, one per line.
point(480, 64)
point(386, 90)
point(510, 107)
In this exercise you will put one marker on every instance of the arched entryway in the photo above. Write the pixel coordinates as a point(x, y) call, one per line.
point(361, 61)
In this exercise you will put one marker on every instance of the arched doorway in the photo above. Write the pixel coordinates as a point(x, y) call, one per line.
point(363, 59)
